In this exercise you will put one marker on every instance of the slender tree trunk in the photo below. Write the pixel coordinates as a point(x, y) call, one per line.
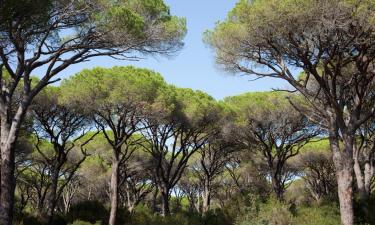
point(360, 180)
point(344, 172)
point(369, 173)
point(277, 187)
point(53, 198)
point(206, 197)
point(7, 173)
point(155, 199)
point(165, 202)
point(198, 204)
point(114, 190)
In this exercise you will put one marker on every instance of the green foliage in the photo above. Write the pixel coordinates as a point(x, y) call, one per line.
point(118, 85)
point(260, 105)
point(81, 222)
point(136, 18)
point(272, 212)
point(317, 146)
point(143, 216)
point(317, 215)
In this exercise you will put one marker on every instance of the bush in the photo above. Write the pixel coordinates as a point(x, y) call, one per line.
point(80, 222)
point(275, 213)
point(270, 213)
point(319, 215)
point(144, 216)
point(30, 220)
point(88, 211)
point(364, 211)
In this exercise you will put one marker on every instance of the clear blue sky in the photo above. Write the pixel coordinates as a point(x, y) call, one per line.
point(194, 66)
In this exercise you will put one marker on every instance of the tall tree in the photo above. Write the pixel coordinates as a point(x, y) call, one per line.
point(54, 34)
point(268, 125)
point(332, 41)
point(177, 127)
point(63, 126)
point(119, 97)
point(213, 156)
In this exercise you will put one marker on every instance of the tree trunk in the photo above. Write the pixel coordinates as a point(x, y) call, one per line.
point(344, 172)
point(165, 202)
point(206, 197)
point(7, 174)
point(114, 191)
point(155, 199)
point(198, 204)
point(277, 187)
point(369, 173)
point(360, 180)
point(52, 198)
point(344, 181)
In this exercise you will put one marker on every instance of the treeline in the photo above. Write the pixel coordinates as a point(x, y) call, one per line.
point(120, 145)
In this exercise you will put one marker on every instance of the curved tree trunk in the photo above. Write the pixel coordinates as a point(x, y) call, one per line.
point(114, 191)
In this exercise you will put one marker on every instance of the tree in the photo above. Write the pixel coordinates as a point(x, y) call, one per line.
point(119, 97)
point(213, 157)
point(135, 179)
point(317, 170)
point(268, 125)
point(54, 34)
point(332, 42)
point(63, 127)
point(177, 126)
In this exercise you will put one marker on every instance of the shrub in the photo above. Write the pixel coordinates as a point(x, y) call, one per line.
point(80, 222)
point(275, 213)
point(88, 211)
point(319, 215)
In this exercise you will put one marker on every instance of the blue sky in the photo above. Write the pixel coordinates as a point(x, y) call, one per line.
point(194, 66)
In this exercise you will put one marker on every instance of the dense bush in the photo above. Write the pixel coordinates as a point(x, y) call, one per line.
point(273, 212)
point(144, 216)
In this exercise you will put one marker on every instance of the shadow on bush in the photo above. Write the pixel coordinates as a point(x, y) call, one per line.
point(364, 211)
point(88, 211)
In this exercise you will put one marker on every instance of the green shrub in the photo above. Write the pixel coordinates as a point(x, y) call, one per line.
point(275, 213)
point(270, 213)
point(80, 222)
point(319, 215)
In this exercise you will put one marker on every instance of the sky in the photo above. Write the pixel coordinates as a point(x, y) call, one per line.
point(194, 66)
